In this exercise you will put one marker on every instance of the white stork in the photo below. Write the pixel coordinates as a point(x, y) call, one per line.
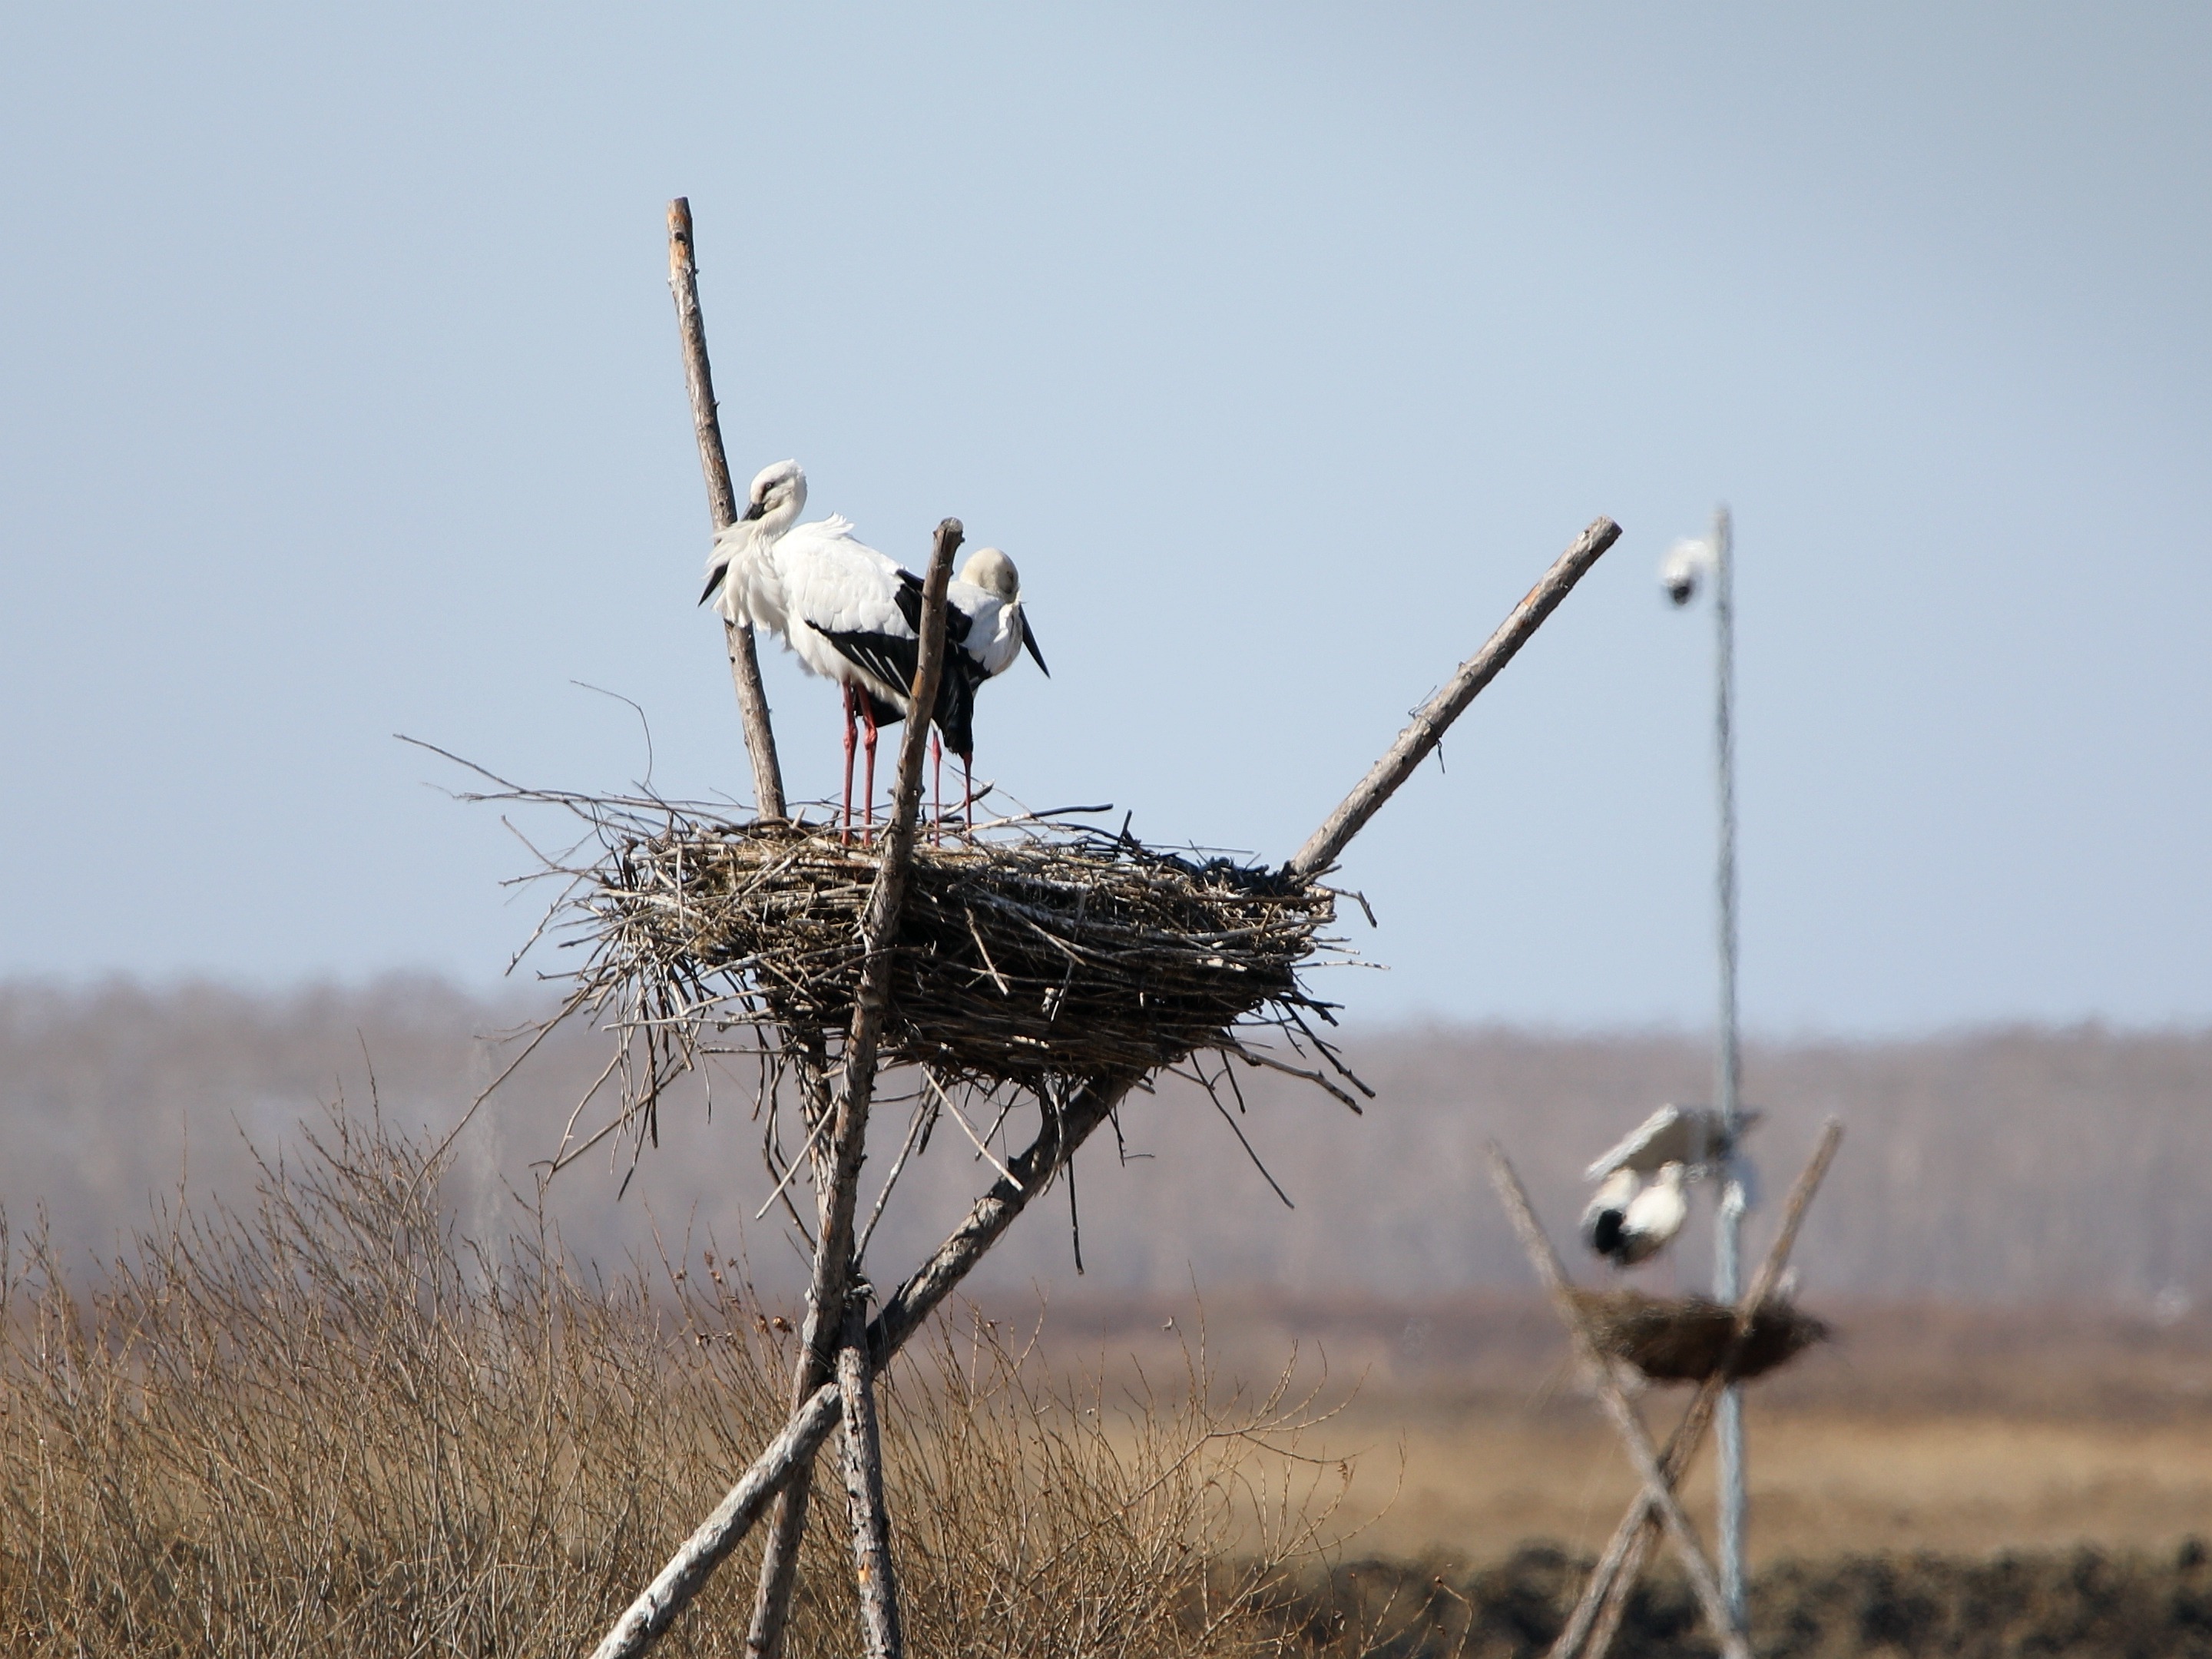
point(1628, 1221)
point(740, 574)
point(868, 612)
point(1640, 1204)
point(1654, 1216)
point(751, 580)
point(987, 623)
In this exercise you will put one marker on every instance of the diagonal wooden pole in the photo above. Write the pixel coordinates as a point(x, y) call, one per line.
point(1030, 1172)
point(840, 1191)
point(1702, 1581)
point(1591, 1627)
point(721, 503)
point(1435, 717)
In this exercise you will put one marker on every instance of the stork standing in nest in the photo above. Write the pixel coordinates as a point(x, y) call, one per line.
point(852, 615)
point(868, 611)
point(1640, 1204)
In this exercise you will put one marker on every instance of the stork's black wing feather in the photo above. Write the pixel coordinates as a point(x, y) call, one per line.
point(956, 621)
point(886, 656)
point(895, 660)
point(955, 703)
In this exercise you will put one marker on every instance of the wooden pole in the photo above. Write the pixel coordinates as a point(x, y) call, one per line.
point(840, 1193)
point(722, 504)
point(1590, 1628)
point(864, 1492)
point(909, 1307)
point(1702, 1581)
point(1030, 1172)
point(1437, 716)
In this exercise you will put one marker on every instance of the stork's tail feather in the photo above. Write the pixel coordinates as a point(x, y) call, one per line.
point(955, 713)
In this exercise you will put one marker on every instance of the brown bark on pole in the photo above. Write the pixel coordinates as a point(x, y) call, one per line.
point(840, 1179)
point(864, 1492)
point(1703, 1581)
point(1430, 725)
point(721, 505)
point(1596, 1618)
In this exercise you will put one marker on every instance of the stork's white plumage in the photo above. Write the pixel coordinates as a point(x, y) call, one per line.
point(741, 576)
point(844, 622)
point(1653, 1218)
point(1694, 1135)
point(1609, 1211)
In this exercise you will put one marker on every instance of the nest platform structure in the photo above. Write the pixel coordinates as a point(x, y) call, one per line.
point(1053, 951)
point(1686, 1339)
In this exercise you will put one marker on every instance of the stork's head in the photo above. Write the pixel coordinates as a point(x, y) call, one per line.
point(993, 572)
point(778, 494)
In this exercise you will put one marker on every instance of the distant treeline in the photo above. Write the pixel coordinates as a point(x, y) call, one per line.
point(2016, 1165)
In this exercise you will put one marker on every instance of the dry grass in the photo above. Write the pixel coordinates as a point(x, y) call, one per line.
point(329, 1425)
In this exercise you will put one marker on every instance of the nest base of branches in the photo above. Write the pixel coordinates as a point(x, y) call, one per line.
point(1685, 1340)
point(1049, 951)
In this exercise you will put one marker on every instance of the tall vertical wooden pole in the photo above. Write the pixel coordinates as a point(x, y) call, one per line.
point(722, 504)
point(1727, 1063)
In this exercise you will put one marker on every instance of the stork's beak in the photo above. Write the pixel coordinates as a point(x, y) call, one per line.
point(715, 581)
point(753, 510)
point(1029, 644)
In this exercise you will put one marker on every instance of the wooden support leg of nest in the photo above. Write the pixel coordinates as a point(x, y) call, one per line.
point(1703, 1580)
point(864, 1491)
point(831, 1280)
point(906, 1311)
point(1596, 1618)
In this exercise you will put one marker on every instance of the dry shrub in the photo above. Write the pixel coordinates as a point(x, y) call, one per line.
point(333, 1425)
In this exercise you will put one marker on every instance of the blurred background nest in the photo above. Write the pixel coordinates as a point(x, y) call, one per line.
point(1686, 1338)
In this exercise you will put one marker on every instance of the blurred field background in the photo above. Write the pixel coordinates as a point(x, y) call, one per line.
point(2013, 1245)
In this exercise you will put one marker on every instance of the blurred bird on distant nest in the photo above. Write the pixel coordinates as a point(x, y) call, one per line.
point(1628, 1221)
point(1640, 1203)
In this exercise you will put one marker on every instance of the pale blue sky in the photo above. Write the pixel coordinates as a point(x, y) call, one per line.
point(1283, 348)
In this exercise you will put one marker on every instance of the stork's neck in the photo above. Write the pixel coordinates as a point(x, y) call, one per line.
point(762, 532)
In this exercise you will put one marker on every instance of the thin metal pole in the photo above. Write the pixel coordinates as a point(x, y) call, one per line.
point(1727, 1064)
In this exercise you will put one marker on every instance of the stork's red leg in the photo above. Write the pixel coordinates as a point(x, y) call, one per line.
point(968, 789)
point(846, 833)
point(936, 785)
point(868, 801)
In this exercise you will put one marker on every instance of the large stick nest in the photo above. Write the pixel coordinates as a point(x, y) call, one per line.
point(1032, 955)
point(1055, 952)
point(1686, 1339)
